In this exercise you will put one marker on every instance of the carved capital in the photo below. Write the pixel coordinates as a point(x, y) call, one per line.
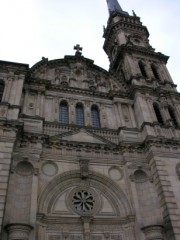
point(18, 231)
point(153, 232)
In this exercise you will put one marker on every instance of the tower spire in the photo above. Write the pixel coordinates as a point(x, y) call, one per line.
point(114, 7)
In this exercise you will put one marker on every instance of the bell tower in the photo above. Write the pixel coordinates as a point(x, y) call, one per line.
point(130, 53)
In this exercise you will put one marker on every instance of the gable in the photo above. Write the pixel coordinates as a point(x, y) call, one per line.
point(82, 136)
point(76, 72)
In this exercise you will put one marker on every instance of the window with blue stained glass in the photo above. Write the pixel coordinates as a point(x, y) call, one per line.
point(63, 113)
point(95, 117)
point(79, 115)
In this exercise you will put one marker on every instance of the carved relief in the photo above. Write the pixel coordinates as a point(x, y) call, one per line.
point(84, 168)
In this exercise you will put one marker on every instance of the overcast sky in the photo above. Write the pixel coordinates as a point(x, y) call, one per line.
point(31, 29)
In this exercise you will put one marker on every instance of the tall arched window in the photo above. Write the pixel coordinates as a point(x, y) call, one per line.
point(1, 89)
point(63, 112)
point(143, 70)
point(158, 113)
point(155, 71)
point(173, 116)
point(79, 114)
point(95, 119)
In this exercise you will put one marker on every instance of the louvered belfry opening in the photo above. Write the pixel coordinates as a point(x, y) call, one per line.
point(155, 71)
point(173, 116)
point(143, 70)
point(158, 113)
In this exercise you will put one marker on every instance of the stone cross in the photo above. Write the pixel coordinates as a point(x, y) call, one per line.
point(78, 49)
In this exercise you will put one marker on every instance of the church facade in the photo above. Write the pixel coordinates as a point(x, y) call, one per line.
point(90, 154)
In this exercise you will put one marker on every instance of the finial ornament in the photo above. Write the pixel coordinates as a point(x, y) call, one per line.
point(78, 49)
point(134, 14)
point(114, 7)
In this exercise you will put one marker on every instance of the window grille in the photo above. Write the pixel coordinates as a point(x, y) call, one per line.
point(95, 117)
point(1, 89)
point(79, 115)
point(63, 113)
point(158, 113)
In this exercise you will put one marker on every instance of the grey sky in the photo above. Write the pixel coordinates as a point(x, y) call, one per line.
point(31, 29)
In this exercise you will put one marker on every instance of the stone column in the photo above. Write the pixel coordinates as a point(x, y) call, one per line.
point(86, 224)
point(18, 231)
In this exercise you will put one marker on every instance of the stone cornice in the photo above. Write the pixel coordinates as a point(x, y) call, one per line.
point(45, 219)
point(124, 49)
point(122, 147)
point(17, 68)
point(47, 86)
point(152, 91)
point(66, 60)
point(123, 22)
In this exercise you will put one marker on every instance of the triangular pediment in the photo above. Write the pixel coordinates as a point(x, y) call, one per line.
point(82, 136)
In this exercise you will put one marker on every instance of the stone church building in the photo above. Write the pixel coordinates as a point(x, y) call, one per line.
point(90, 154)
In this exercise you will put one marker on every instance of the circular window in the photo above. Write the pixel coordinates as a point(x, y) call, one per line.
point(84, 201)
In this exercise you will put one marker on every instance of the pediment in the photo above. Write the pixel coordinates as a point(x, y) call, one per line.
point(76, 72)
point(82, 136)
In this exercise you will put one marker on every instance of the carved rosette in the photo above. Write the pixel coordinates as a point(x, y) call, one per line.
point(153, 232)
point(18, 231)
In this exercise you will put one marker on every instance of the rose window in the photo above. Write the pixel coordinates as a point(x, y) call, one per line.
point(83, 201)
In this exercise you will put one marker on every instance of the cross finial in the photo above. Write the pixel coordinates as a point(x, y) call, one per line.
point(78, 49)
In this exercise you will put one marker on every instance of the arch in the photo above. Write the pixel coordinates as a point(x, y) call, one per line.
point(95, 116)
point(103, 184)
point(140, 175)
point(142, 68)
point(2, 86)
point(24, 168)
point(20, 191)
point(63, 112)
point(79, 114)
point(155, 71)
point(173, 115)
point(158, 113)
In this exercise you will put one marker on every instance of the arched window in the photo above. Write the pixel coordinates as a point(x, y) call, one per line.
point(95, 119)
point(173, 116)
point(79, 114)
point(143, 70)
point(155, 71)
point(63, 113)
point(1, 89)
point(158, 113)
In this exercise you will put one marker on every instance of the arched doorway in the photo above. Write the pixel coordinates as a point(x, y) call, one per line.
point(72, 208)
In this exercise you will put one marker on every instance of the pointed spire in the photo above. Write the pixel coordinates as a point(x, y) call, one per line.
point(114, 7)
